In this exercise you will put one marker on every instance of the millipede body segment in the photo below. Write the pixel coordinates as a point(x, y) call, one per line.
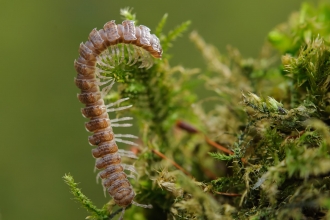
point(106, 49)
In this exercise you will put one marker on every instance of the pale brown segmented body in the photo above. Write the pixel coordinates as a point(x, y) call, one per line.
point(89, 81)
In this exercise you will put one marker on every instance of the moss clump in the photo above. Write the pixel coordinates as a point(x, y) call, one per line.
point(250, 156)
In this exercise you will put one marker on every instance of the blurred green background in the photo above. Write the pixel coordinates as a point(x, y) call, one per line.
point(42, 131)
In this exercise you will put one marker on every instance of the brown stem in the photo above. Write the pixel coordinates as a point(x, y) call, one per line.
point(192, 130)
point(228, 194)
point(172, 162)
point(218, 146)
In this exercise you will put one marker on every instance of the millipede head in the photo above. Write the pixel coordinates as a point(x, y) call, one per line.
point(157, 48)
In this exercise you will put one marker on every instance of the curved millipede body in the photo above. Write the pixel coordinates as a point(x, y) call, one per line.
point(104, 50)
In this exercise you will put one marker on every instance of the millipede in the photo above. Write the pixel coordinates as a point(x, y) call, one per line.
point(105, 49)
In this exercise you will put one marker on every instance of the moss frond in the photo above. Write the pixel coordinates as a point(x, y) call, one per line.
point(127, 14)
point(160, 26)
point(257, 148)
point(220, 156)
point(96, 214)
point(173, 34)
point(301, 28)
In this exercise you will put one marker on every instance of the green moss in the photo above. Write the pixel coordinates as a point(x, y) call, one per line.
point(278, 140)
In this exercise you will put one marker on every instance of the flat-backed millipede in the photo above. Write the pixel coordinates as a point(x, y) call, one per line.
point(106, 49)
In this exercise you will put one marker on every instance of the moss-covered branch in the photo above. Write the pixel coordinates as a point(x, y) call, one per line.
point(270, 118)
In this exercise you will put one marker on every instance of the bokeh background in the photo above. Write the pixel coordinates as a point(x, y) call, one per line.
point(42, 132)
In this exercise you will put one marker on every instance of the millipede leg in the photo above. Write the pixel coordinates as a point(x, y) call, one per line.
point(142, 58)
point(122, 214)
point(107, 56)
point(116, 102)
point(122, 125)
point(129, 54)
point(142, 205)
point(104, 190)
point(113, 52)
point(100, 61)
point(132, 176)
point(104, 83)
point(126, 153)
point(111, 58)
point(117, 53)
point(118, 109)
point(126, 135)
point(121, 119)
point(106, 89)
point(125, 141)
point(98, 74)
point(97, 177)
point(136, 56)
point(151, 62)
point(130, 168)
point(122, 54)
point(103, 61)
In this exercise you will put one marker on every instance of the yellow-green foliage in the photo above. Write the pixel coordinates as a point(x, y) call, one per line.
point(273, 117)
